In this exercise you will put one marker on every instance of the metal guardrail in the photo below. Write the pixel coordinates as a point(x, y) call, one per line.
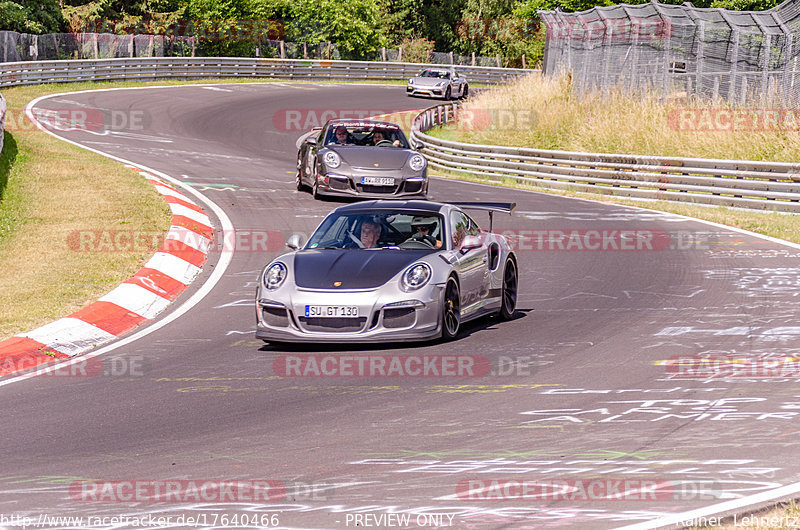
point(736, 183)
point(185, 68)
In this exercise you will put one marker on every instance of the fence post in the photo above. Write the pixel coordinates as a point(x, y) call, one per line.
point(473, 58)
point(499, 64)
point(701, 38)
point(399, 53)
point(523, 61)
point(329, 50)
point(305, 51)
point(151, 46)
point(383, 53)
point(282, 49)
point(131, 46)
point(789, 39)
point(94, 44)
point(451, 58)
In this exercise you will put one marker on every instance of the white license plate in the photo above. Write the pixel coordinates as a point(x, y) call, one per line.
point(331, 311)
point(377, 181)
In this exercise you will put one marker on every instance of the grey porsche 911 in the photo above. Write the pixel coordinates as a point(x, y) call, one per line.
point(364, 158)
point(382, 271)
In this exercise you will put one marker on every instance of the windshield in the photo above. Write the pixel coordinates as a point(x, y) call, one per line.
point(438, 74)
point(379, 135)
point(379, 230)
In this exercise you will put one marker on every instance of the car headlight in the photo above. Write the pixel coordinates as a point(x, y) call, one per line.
point(332, 160)
point(274, 276)
point(416, 162)
point(415, 277)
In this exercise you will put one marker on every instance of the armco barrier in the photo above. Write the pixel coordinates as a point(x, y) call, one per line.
point(186, 68)
point(737, 183)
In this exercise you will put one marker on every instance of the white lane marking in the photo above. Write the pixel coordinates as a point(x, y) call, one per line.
point(222, 264)
point(174, 267)
point(69, 335)
point(194, 215)
point(137, 299)
point(216, 89)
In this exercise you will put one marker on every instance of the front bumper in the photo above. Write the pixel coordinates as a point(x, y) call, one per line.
point(431, 92)
point(350, 186)
point(283, 320)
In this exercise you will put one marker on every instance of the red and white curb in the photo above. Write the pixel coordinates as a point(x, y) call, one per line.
point(137, 300)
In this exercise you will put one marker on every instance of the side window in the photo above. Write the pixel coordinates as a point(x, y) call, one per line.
point(459, 223)
point(474, 229)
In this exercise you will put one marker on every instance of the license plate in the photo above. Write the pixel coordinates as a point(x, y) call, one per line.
point(378, 181)
point(331, 311)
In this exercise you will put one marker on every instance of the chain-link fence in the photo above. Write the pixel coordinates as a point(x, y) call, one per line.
point(736, 56)
point(16, 47)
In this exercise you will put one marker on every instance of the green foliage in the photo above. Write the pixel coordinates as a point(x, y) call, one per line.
point(745, 5)
point(31, 16)
point(357, 27)
point(416, 50)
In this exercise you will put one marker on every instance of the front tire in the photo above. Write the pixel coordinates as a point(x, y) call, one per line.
point(466, 92)
point(508, 297)
point(447, 93)
point(451, 317)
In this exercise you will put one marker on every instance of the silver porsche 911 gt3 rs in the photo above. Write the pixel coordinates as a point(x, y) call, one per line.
point(388, 271)
point(362, 158)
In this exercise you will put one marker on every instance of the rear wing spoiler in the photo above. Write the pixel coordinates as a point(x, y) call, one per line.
point(491, 207)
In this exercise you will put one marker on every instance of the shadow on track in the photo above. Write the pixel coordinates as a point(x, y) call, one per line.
point(466, 330)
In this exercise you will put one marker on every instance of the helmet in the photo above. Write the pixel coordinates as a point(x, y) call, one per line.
point(426, 222)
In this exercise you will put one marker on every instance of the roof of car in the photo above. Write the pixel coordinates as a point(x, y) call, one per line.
point(423, 206)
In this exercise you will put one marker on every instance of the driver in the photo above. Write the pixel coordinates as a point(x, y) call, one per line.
point(383, 136)
point(370, 233)
point(423, 228)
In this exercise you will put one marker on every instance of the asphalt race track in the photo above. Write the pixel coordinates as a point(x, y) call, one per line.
point(583, 389)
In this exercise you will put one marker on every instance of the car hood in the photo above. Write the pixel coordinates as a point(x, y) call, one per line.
point(354, 268)
point(367, 157)
point(428, 81)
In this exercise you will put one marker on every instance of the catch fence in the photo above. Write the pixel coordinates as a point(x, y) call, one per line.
point(740, 57)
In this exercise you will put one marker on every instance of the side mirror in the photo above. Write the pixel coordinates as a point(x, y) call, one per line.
point(416, 144)
point(295, 242)
point(470, 242)
point(311, 140)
